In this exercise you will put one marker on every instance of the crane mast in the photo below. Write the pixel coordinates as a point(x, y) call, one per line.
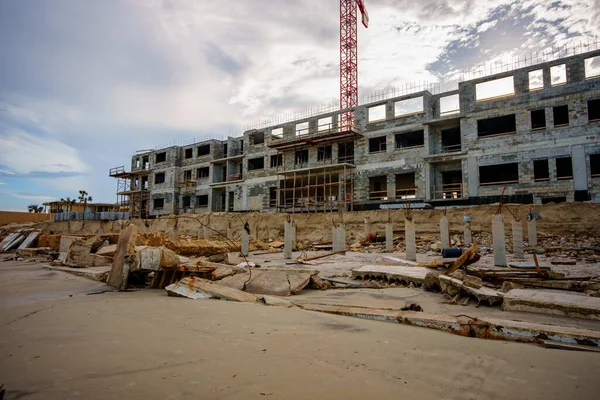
point(349, 56)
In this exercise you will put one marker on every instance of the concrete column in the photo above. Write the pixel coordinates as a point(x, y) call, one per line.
point(325, 235)
point(468, 239)
point(444, 232)
point(339, 237)
point(517, 236)
point(473, 177)
point(289, 230)
point(389, 237)
point(205, 232)
point(367, 226)
point(411, 244)
point(245, 240)
point(200, 234)
point(499, 244)
point(578, 159)
point(532, 232)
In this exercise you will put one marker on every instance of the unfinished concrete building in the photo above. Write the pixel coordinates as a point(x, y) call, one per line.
point(533, 131)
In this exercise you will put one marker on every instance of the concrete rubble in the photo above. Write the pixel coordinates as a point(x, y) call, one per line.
point(208, 268)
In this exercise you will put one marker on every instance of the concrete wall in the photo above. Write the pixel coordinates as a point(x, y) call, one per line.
point(10, 217)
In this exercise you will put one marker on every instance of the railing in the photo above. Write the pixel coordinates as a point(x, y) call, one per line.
point(317, 164)
point(234, 177)
point(117, 171)
point(448, 191)
point(406, 193)
point(378, 195)
point(452, 148)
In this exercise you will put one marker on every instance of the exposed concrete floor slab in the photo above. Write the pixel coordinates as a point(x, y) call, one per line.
point(396, 298)
point(147, 345)
point(553, 302)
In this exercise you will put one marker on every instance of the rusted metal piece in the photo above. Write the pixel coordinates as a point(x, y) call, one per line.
point(300, 260)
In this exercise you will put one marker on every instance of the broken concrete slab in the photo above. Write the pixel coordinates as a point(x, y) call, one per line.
point(552, 302)
point(389, 260)
point(224, 271)
point(276, 301)
point(278, 282)
point(453, 286)
point(79, 254)
point(28, 242)
point(275, 282)
point(500, 329)
point(219, 291)
point(14, 242)
point(125, 247)
point(178, 289)
point(168, 258)
point(235, 281)
point(8, 239)
point(33, 251)
point(107, 251)
point(401, 274)
point(99, 274)
point(377, 314)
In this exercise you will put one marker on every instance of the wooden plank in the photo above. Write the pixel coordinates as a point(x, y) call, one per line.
point(462, 259)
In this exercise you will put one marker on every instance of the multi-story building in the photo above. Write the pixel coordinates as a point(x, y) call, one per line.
point(532, 132)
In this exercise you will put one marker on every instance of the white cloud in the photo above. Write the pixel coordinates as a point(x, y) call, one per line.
point(2, 183)
point(24, 153)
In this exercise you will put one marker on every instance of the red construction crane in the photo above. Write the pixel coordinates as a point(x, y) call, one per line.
point(349, 56)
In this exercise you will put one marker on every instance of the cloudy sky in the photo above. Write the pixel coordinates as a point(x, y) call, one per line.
point(86, 83)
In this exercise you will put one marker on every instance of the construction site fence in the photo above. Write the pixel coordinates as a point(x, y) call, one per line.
point(91, 216)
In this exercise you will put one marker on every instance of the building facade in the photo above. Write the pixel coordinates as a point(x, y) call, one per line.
point(532, 133)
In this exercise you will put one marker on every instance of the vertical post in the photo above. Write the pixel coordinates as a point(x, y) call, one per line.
point(245, 239)
point(517, 236)
point(444, 232)
point(339, 237)
point(499, 244)
point(367, 226)
point(389, 237)
point(175, 232)
point(229, 231)
point(532, 231)
point(289, 233)
point(411, 244)
point(468, 239)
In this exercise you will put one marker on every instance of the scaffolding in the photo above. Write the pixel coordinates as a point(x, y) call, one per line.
point(319, 189)
point(132, 192)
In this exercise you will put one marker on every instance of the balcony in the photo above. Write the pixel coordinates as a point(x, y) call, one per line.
point(450, 191)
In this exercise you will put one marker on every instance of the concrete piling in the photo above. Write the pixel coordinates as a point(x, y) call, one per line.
point(444, 232)
point(532, 232)
point(517, 236)
point(499, 244)
point(468, 239)
point(367, 226)
point(339, 237)
point(205, 232)
point(229, 231)
point(245, 239)
point(389, 237)
point(289, 234)
point(468, 235)
point(410, 238)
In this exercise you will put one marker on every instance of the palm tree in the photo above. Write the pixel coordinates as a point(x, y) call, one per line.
point(84, 198)
point(69, 202)
point(34, 208)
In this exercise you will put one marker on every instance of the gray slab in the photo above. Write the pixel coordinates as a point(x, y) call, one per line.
point(552, 302)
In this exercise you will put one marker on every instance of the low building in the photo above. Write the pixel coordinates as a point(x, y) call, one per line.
point(532, 133)
point(55, 207)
